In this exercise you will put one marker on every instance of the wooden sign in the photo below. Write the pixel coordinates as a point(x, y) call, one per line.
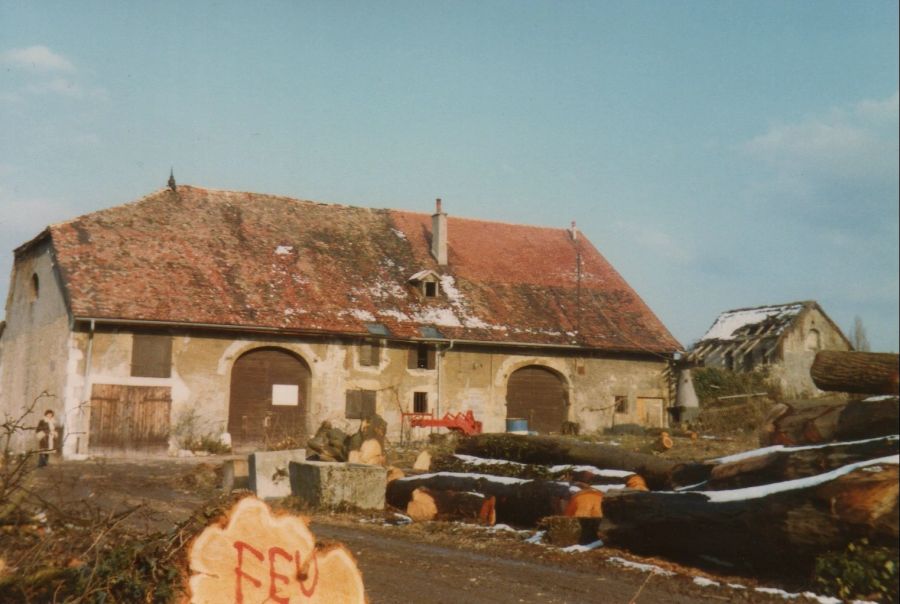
point(253, 556)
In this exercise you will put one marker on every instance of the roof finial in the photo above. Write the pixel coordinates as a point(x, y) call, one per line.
point(172, 179)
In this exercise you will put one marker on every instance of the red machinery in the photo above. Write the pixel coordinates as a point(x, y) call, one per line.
point(459, 422)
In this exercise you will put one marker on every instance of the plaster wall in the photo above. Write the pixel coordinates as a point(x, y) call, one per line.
point(798, 353)
point(462, 380)
point(34, 345)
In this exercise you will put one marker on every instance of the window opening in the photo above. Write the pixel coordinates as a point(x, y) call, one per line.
point(151, 356)
point(370, 355)
point(35, 286)
point(431, 289)
point(420, 402)
point(621, 404)
point(421, 357)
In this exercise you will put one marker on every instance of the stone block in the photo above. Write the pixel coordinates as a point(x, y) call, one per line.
point(324, 484)
point(269, 477)
point(235, 475)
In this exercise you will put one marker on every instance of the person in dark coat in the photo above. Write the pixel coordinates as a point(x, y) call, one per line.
point(49, 438)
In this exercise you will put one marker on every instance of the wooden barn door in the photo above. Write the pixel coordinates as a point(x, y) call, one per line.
point(129, 418)
point(651, 412)
point(539, 395)
point(268, 400)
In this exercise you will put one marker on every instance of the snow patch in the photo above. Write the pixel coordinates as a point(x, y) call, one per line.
point(399, 234)
point(591, 470)
point(537, 537)
point(647, 568)
point(484, 461)
point(775, 448)
point(704, 582)
point(577, 549)
point(790, 485)
point(792, 596)
point(729, 322)
point(362, 315)
point(284, 250)
point(488, 477)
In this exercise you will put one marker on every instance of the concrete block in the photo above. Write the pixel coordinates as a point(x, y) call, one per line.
point(235, 475)
point(325, 484)
point(269, 477)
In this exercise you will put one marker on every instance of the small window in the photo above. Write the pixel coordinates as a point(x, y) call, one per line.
point(431, 289)
point(151, 356)
point(421, 357)
point(360, 404)
point(420, 402)
point(369, 355)
point(35, 287)
point(621, 404)
point(813, 340)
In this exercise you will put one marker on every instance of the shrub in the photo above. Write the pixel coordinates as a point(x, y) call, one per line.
point(710, 383)
point(862, 571)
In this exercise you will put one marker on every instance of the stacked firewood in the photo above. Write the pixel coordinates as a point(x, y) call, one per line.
point(826, 475)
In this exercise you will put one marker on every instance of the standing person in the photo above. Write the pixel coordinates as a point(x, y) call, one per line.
point(46, 432)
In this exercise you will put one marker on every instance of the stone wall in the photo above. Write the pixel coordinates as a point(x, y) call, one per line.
point(811, 332)
point(34, 346)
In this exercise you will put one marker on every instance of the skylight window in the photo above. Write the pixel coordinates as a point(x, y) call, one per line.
point(378, 329)
point(431, 333)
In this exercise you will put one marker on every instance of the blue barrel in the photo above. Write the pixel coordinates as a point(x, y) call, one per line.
point(517, 425)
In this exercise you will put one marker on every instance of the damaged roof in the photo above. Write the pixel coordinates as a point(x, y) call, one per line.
point(744, 322)
point(200, 256)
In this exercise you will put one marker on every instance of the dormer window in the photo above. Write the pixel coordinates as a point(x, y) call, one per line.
point(427, 282)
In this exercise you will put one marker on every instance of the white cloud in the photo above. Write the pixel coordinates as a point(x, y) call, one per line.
point(858, 144)
point(37, 58)
point(654, 240)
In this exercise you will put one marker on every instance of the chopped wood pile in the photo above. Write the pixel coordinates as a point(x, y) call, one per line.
point(365, 446)
point(827, 475)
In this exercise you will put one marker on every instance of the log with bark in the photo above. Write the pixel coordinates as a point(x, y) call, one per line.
point(775, 528)
point(519, 502)
point(828, 420)
point(563, 531)
point(859, 372)
point(796, 462)
point(465, 506)
point(500, 467)
point(659, 473)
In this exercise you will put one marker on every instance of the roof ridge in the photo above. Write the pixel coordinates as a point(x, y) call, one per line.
point(762, 306)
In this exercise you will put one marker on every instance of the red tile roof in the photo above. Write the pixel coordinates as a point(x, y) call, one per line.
point(252, 260)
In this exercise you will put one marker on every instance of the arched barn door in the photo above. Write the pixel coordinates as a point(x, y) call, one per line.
point(268, 398)
point(539, 395)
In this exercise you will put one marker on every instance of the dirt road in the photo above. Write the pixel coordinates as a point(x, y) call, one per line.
point(428, 562)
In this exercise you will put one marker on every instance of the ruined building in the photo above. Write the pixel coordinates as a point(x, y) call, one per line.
point(782, 339)
point(254, 318)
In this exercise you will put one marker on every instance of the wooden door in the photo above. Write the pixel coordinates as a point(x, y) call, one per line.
point(651, 412)
point(129, 417)
point(268, 398)
point(539, 395)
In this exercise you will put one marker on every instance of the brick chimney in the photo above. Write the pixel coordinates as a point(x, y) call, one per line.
point(439, 234)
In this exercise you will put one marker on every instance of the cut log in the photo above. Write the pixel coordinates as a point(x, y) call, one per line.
point(427, 504)
point(659, 473)
point(636, 482)
point(663, 442)
point(859, 372)
point(587, 503)
point(497, 467)
point(518, 502)
point(777, 528)
point(395, 473)
point(828, 420)
point(253, 555)
point(797, 462)
point(423, 461)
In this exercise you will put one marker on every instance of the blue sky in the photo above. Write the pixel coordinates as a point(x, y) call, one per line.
point(720, 154)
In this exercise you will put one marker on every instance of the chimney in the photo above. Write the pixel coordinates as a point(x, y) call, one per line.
point(439, 234)
point(574, 232)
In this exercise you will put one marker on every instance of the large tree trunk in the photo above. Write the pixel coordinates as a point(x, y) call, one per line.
point(827, 420)
point(791, 463)
point(427, 504)
point(518, 502)
point(659, 473)
point(860, 372)
point(502, 467)
point(781, 531)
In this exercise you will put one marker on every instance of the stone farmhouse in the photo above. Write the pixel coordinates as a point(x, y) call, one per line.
point(253, 318)
point(782, 338)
